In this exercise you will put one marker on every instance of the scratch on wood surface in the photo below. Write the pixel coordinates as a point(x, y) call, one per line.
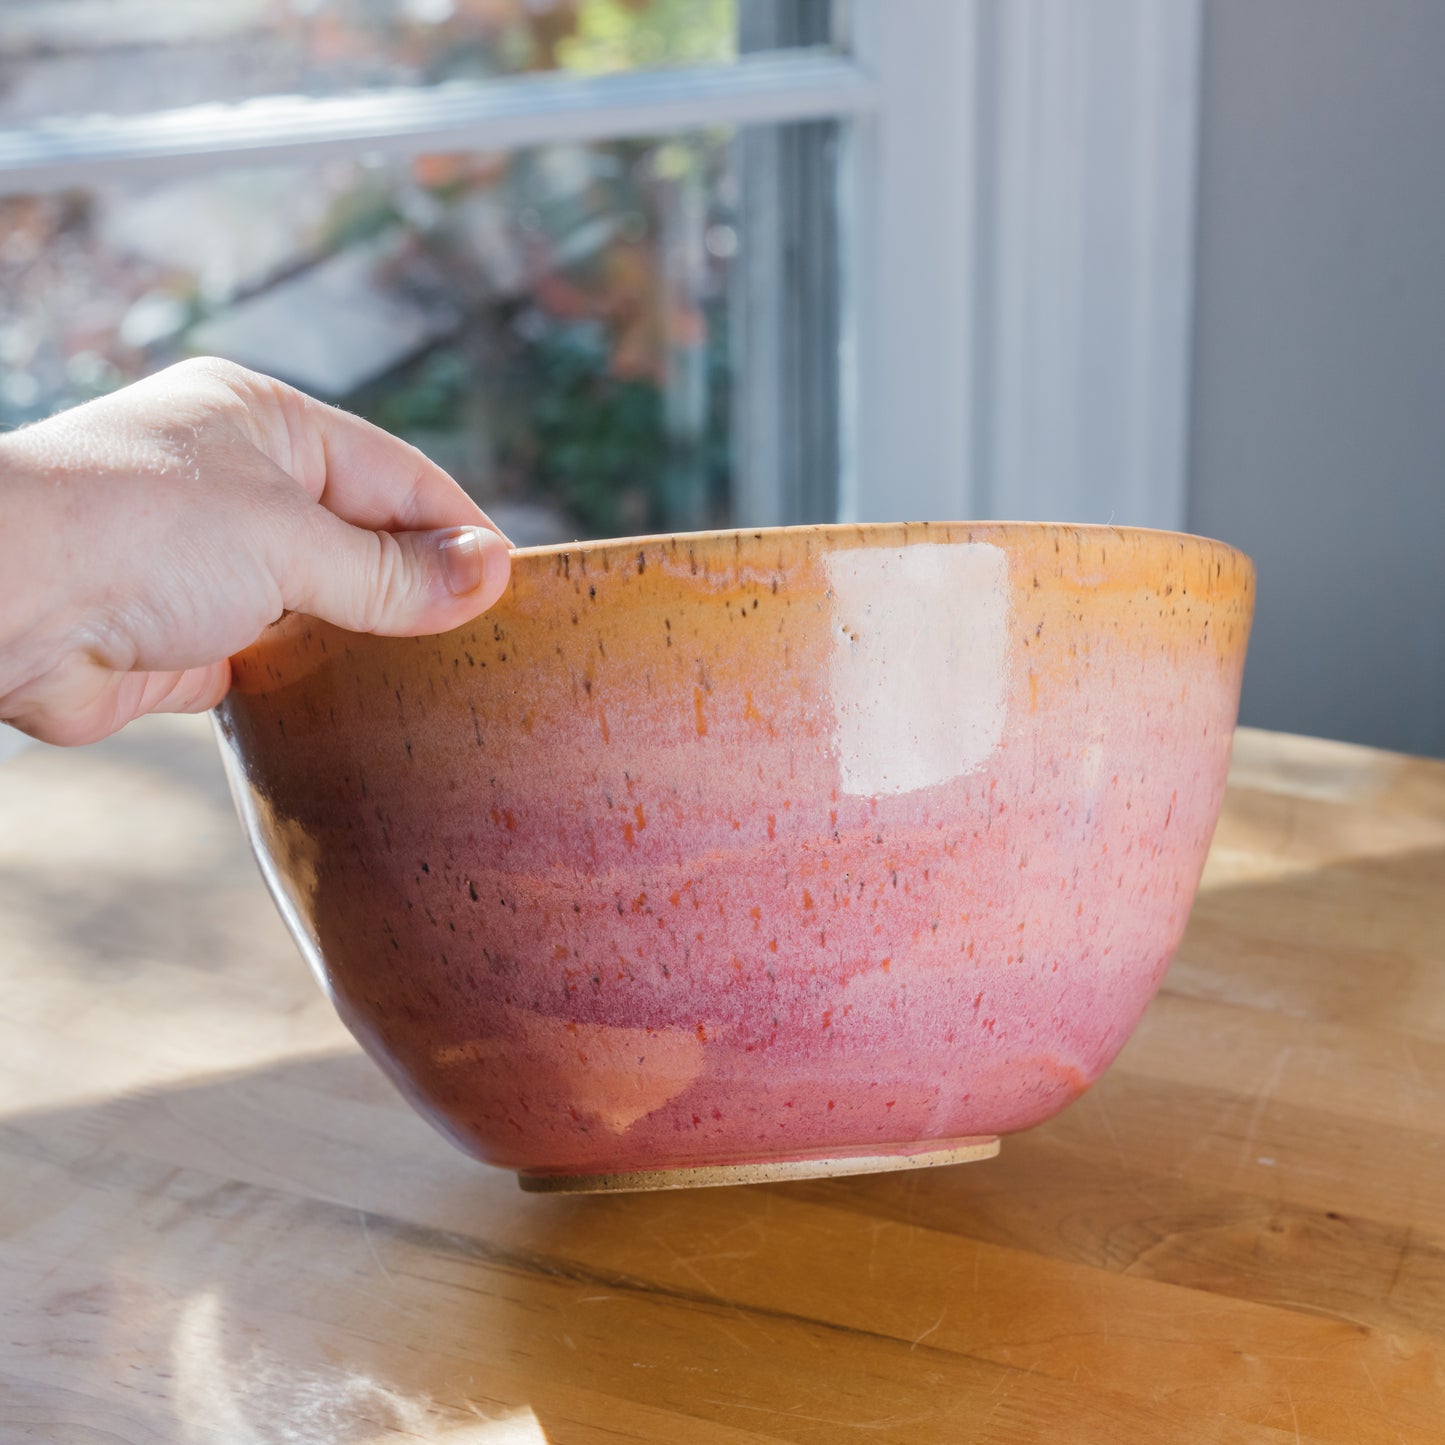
point(737, 1340)
point(687, 1265)
point(1261, 1103)
point(1227, 1109)
point(1312, 1307)
point(1414, 1085)
point(371, 1248)
point(795, 1412)
point(1102, 1108)
point(1402, 1255)
point(932, 1329)
point(1379, 1398)
point(913, 1184)
point(749, 1318)
point(1293, 1414)
point(750, 1224)
point(1104, 1296)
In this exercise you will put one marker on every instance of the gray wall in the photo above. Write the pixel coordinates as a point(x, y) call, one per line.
point(1318, 432)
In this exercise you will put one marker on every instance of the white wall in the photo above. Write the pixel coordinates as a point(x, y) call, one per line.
point(1318, 406)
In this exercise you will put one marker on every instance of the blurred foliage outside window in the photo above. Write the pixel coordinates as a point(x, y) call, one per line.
point(550, 325)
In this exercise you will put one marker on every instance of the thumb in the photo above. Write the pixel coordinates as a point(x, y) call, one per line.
point(398, 584)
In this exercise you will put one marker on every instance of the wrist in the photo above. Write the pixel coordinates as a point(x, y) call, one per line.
point(34, 604)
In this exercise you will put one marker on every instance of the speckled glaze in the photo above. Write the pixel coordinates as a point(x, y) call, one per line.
point(718, 853)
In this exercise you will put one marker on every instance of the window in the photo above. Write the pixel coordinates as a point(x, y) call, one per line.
point(633, 264)
point(586, 254)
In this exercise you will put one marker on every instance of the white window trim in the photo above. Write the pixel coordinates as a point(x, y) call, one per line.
point(1086, 281)
point(505, 114)
point(908, 266)
point(1023, 273)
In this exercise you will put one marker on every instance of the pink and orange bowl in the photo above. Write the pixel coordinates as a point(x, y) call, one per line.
point(753, 855)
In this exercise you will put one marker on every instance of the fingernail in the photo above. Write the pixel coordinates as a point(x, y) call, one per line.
point(461, 558)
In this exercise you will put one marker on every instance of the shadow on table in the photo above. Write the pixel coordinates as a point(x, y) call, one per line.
point(293, 1245)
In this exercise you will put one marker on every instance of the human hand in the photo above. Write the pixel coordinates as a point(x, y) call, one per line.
point(148, 536)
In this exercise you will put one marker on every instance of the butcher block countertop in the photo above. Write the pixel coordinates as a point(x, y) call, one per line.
point(220, 1226)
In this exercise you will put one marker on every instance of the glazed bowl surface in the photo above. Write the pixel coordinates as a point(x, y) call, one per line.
point(724, 856)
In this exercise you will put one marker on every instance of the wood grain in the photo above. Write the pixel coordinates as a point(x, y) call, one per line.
point(218, 1223)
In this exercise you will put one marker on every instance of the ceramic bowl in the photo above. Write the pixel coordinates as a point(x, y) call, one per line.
point(744, 855)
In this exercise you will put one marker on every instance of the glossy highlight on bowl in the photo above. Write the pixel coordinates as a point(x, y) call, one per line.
point(733, 856)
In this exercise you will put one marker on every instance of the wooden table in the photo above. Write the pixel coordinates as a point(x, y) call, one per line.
point(218, 1224)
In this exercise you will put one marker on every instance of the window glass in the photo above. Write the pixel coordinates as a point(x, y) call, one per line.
point(556, 327)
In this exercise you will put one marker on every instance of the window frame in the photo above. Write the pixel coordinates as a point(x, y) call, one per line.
point(508, 113)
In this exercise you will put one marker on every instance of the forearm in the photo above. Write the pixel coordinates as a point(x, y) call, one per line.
point(37, 609)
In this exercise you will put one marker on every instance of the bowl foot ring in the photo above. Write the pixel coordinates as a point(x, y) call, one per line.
point(927, 1155)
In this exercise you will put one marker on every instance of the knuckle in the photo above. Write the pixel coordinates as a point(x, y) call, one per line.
point(391, 591)
point(226, 386)
point(213, 369)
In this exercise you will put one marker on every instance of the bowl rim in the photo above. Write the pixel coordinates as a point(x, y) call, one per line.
point(907, 532)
